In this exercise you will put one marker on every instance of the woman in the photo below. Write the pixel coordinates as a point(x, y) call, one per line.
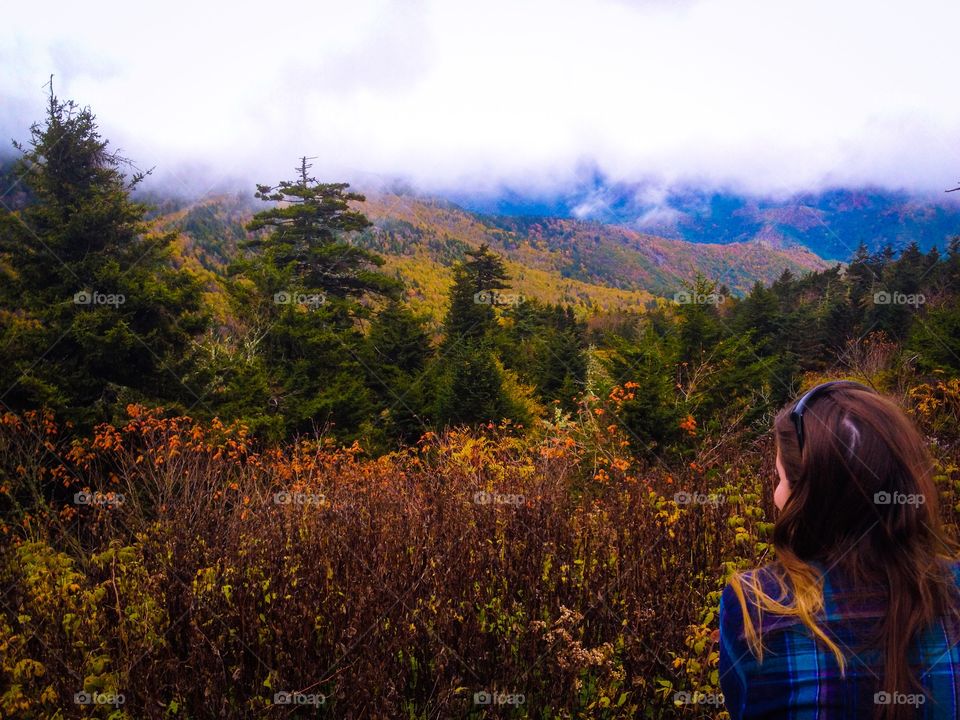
point(859, 617)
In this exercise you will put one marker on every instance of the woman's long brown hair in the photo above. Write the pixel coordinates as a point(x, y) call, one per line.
point(857, 446)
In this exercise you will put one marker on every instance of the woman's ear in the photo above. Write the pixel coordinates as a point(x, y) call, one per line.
point(782, 491)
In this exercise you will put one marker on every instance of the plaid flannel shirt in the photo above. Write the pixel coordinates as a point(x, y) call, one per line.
point(800, 678)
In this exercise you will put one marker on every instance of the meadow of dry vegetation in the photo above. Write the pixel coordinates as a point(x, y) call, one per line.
point(477, 574)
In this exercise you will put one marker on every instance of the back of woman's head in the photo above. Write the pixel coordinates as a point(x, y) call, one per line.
point(861, 496)
point(861, 503)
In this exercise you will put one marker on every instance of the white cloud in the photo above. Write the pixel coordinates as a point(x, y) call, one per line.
point(662, 215)
point(771, 96)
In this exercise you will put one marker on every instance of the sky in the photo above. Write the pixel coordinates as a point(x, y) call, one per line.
point(770, 97)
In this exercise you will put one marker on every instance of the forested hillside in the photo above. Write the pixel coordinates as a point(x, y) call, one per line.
point(591, 266)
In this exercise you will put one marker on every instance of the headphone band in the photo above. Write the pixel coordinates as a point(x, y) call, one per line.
point(796, 415)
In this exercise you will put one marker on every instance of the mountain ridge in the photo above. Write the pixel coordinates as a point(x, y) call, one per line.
point(584, 263)
point(832, 222)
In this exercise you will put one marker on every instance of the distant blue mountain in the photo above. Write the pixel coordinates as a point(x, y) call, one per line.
point(831, 223)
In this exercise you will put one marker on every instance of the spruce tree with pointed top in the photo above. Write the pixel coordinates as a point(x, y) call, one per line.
point(469, 377)
point(94, 312)
point(306, 276)
point(307, 243)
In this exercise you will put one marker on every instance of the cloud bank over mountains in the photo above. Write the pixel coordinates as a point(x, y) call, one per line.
point(765, 97)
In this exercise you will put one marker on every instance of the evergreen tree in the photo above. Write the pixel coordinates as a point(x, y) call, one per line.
point(304, 279)
point(473, 296)
point(94, 312)
point(399, 340)
point(653, 416)
point(700, 327)
point(785, 288)
point(398, 352)
point(837, 322)
point(759, 313)
point(900, 281)
point(935, 339)
point(862, 276)
point(546, 346)
point(469, 378)
point(473, 392)
point(909, 270)
point(951, 267)
point(307, 243)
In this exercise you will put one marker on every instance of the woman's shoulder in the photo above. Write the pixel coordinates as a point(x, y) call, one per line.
point(954, 565)
point(770, 579)
point(743, 588)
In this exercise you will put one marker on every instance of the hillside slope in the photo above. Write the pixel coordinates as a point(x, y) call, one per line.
point(578, 252)
point(587, 264)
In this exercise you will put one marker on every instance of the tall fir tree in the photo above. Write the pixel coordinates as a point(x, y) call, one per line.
point(398, 350)
point(304, 280)
point(477, 281)
point(469, 377)
point(307, 240)
point(546, 346)
point(700, 325)
point(95, 312)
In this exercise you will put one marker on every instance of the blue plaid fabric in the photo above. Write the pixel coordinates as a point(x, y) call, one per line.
point(800, 678)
